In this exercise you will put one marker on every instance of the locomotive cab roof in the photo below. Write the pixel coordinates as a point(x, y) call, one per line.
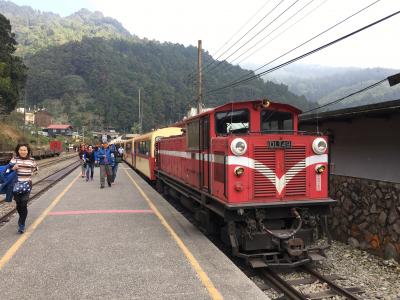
point(257, 104)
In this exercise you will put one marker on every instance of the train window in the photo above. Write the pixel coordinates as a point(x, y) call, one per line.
point(233, 121)
point(193, 135)
point(273, 120)
point(205, 133)
point(144, 147)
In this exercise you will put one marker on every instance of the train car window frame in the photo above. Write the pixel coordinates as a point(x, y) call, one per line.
point(205, 133)
point(144, 147)
point(243, 130)
point(193, 134)
point(280, 122)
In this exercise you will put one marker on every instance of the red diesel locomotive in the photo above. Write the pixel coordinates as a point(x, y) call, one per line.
point(251, 176)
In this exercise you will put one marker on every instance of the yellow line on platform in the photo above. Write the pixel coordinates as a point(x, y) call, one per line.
point(214, 293)
point(14, 248)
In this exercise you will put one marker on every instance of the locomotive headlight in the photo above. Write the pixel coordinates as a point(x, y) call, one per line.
point(319, 146)
point(239, 171)
point(238, 146)
point(319, 169)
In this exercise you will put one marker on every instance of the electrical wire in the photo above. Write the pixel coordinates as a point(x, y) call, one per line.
point(309, 40)
point(254, 36)
point(304, 55)
point(348, 96)
point(283, 23)
point(212, 62)
point(282, 32)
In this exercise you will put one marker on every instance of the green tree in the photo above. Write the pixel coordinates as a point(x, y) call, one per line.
point(12, 69)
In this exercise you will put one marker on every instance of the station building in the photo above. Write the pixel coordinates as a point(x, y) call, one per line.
point(364, 165)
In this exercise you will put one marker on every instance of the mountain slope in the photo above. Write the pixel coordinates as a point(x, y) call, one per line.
point(87, 69)
point(37, 30)
point(95, 83)
point(326, 84)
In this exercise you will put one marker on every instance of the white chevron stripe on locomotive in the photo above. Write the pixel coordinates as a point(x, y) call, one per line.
point(279, 183)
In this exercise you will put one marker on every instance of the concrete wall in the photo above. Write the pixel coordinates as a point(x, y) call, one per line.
point(365, 148)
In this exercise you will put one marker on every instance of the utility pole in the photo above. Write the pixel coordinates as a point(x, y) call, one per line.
point(140, 116)
point(199, 79)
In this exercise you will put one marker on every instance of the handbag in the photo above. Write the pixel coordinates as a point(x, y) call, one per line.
point(21, 187)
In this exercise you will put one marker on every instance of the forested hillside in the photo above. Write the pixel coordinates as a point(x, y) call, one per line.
point(83, 75)
point(96, 82)
point(36, 30)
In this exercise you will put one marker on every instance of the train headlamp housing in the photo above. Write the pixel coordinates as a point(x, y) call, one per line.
point(319, 169)
point(238, 146)
point(319, 146)
point(239, 171)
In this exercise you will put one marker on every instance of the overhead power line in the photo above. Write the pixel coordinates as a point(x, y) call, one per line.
point(305, 55)
point(282, 32)
point(348, 96)
point(309, 40)
point(241, 28)
point(283, 23)
point(254, 36)
point(212, 62)
point(262, 19)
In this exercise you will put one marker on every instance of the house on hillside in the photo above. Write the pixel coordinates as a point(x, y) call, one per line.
point(59, 129)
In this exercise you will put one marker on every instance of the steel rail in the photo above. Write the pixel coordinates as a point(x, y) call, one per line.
point(341, 291)
point(281, 285)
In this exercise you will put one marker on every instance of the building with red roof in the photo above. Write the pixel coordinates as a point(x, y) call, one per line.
point(59, 129)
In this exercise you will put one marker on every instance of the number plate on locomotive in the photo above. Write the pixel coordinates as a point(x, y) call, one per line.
point(280, 144)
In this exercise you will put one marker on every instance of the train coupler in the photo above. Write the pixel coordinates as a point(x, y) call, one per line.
point(294, 247)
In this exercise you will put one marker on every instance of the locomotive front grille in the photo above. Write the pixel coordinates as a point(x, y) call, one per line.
point(264, 168)
point(265, 172)
point(295, 169)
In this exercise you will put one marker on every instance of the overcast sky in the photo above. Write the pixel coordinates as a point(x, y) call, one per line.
point(216, 21)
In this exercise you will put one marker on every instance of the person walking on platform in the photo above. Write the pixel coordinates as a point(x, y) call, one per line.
point(82, 159)
point(105, 161)
point(90, 159)
point(117, 159)
point(25, 166)
point(118, 154)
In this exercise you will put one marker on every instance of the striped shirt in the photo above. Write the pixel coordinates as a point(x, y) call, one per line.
point(26, 168)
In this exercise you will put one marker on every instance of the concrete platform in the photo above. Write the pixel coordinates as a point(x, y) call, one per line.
point(123, 242)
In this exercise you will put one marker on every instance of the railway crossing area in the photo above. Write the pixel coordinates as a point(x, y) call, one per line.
point(123, 242)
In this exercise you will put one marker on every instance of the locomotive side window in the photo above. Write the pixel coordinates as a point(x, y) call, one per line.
point(193, 135)
point(272, 120)
point(236, 121)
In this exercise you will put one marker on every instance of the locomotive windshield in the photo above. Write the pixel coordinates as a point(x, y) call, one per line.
point(233, 121)
point(272, 120)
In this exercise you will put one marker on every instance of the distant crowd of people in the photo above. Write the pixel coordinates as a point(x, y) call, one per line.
point(106, 156)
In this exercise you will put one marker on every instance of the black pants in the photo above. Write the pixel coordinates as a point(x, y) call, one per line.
point(22, 207)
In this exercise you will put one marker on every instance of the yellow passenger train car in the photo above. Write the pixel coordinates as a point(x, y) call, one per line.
point(140, 151)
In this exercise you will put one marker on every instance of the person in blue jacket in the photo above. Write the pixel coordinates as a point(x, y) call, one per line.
point(7, 179)
point(105, 160)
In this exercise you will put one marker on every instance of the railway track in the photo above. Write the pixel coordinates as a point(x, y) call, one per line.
point(288, 287)
point(38, 188)
point(50, 161)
